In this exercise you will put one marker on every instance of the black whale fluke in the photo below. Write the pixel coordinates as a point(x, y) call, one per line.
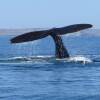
point(71, 29)
point(30, 36)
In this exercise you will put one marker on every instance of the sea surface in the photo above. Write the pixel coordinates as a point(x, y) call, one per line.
point(29, 71)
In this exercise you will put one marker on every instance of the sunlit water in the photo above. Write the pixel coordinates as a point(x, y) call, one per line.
point(43, 77)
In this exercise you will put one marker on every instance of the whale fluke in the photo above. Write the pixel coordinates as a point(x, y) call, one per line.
point(31, 36)
point(70, 29)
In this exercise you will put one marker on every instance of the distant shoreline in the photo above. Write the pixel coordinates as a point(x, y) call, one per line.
point(89, 32)
point(19, 29)
point(3, 31)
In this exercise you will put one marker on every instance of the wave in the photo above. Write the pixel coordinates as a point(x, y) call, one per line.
point(26, 60)
point(50, 59)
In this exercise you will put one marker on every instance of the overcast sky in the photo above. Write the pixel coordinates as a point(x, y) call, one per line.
point(48, 13)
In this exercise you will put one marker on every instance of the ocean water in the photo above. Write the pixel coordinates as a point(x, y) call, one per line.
point(30, 72)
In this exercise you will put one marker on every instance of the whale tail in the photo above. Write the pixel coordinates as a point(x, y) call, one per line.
point(31, 36)
point(61, 51)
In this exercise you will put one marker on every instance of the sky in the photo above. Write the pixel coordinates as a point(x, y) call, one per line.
point(48, 13)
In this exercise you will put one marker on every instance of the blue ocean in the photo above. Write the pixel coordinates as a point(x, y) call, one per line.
point(29, 71)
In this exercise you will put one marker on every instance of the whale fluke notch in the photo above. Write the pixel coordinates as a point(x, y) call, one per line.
point(31, 36)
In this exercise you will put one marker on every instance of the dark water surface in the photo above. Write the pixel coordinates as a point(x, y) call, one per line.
point(48, 79)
